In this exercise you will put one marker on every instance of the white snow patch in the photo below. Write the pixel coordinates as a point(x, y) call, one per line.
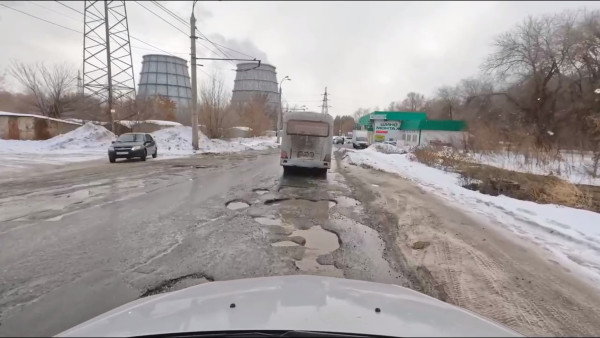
point(4, 113)
point(178, 141)
point(91, 141)
point(573, 235)
point(574, 166)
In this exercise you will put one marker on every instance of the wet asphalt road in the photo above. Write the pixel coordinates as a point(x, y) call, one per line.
point(80, 240)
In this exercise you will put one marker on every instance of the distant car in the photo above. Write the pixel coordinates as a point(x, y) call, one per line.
point(131, 145)
point(394, 143)
point(338, 140)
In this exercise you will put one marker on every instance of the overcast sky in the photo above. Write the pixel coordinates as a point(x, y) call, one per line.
point(367, 53)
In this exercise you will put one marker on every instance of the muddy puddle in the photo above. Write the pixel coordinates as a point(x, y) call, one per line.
point(318, 242)
point(260, 191)
point(347, 201)
point(300, 221)
point(236, 205)
point(267, 221)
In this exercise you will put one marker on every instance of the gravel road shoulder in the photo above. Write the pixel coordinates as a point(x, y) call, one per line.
point(474, 264)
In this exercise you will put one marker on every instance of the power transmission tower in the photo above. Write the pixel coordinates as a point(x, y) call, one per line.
point(325, 107)
point(107, 61)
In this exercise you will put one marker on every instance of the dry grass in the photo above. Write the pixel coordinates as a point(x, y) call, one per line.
point(495, 181)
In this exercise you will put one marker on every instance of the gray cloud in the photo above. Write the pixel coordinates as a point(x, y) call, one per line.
point(366, 53)
point(244, 46)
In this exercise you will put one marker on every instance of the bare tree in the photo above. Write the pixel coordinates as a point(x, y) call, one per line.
point(255, 115)
point(413, 102)
point(360, 112)
point(48, 85)
point(450, 100)
point(213, 107)
point(534, 56)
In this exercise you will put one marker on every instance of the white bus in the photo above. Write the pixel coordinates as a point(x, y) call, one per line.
point(306, 141)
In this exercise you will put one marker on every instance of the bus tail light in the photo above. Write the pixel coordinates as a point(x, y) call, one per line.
point(284, 154)
point(328, 158)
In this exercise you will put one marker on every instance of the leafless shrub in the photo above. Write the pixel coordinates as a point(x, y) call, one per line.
point(48, 85)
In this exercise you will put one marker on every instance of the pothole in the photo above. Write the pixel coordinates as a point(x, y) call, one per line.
point(178, 284)
point(284, 243)
point(198, 166)
point(276, 200)
point(318, 242)
point(331, 203)
point(347, 201)
point(237, 204)
point(268, 221)
point(260, 191)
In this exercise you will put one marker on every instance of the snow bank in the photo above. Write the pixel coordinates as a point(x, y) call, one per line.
point(388, 148)
point(573, 168)
point(5, 113)
point(573, 235)
point(89, 137)
point(91, 141)
point(130, 124)
point(178, 141)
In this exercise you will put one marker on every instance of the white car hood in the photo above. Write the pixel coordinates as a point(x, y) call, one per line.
point(308, 303)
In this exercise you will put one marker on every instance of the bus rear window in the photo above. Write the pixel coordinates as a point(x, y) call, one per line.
point(307, 128)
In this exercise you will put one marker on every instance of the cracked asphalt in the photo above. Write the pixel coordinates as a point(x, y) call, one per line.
point(77, 241)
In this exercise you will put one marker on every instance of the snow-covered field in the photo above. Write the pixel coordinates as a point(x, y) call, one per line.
point(90, 142)
point(573, 235)
point(573, 167)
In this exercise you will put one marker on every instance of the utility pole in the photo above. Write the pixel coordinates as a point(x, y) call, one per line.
point(194, 84)
point(279, 116)
point(325, 107)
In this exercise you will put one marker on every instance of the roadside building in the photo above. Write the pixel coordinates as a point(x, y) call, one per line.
point(411, 128)
point(14, 126)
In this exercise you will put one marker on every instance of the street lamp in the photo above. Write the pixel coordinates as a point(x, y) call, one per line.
point(279, 117)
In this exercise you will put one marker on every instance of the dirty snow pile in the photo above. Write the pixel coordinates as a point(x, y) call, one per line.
point(87, 142)
point(178, 141)
point(87, 138)
point(573, 235)
point(91, 141)
point(388, 148)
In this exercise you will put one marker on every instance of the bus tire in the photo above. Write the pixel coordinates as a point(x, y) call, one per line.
point(323, 172)
point(286, 170)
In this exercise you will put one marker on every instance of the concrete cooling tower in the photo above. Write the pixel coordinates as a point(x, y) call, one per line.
point(261, 80)
point(167, 76)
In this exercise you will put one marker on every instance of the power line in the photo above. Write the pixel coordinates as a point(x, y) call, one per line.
point(204, 37)
point(76, 31)
point(52, 10)
point(33, 16)
point(71, 8)
point(181, 20)
point(160, 17)
point(177, 17)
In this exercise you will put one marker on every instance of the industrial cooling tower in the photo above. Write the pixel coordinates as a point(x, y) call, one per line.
point(250, 81)
point(167, 76)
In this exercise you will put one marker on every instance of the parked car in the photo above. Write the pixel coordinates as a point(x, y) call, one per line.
point(359, 139)
point(392, 142)
point(338, 140)
point(131, 145)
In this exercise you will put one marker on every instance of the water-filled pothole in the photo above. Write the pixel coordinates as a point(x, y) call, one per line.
point(260, 191)
point(285, 243)
point(276, 200)
point(268, 221)
point(347, 201)
point(318, 242)
point(237, 204)
point(330, 202)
